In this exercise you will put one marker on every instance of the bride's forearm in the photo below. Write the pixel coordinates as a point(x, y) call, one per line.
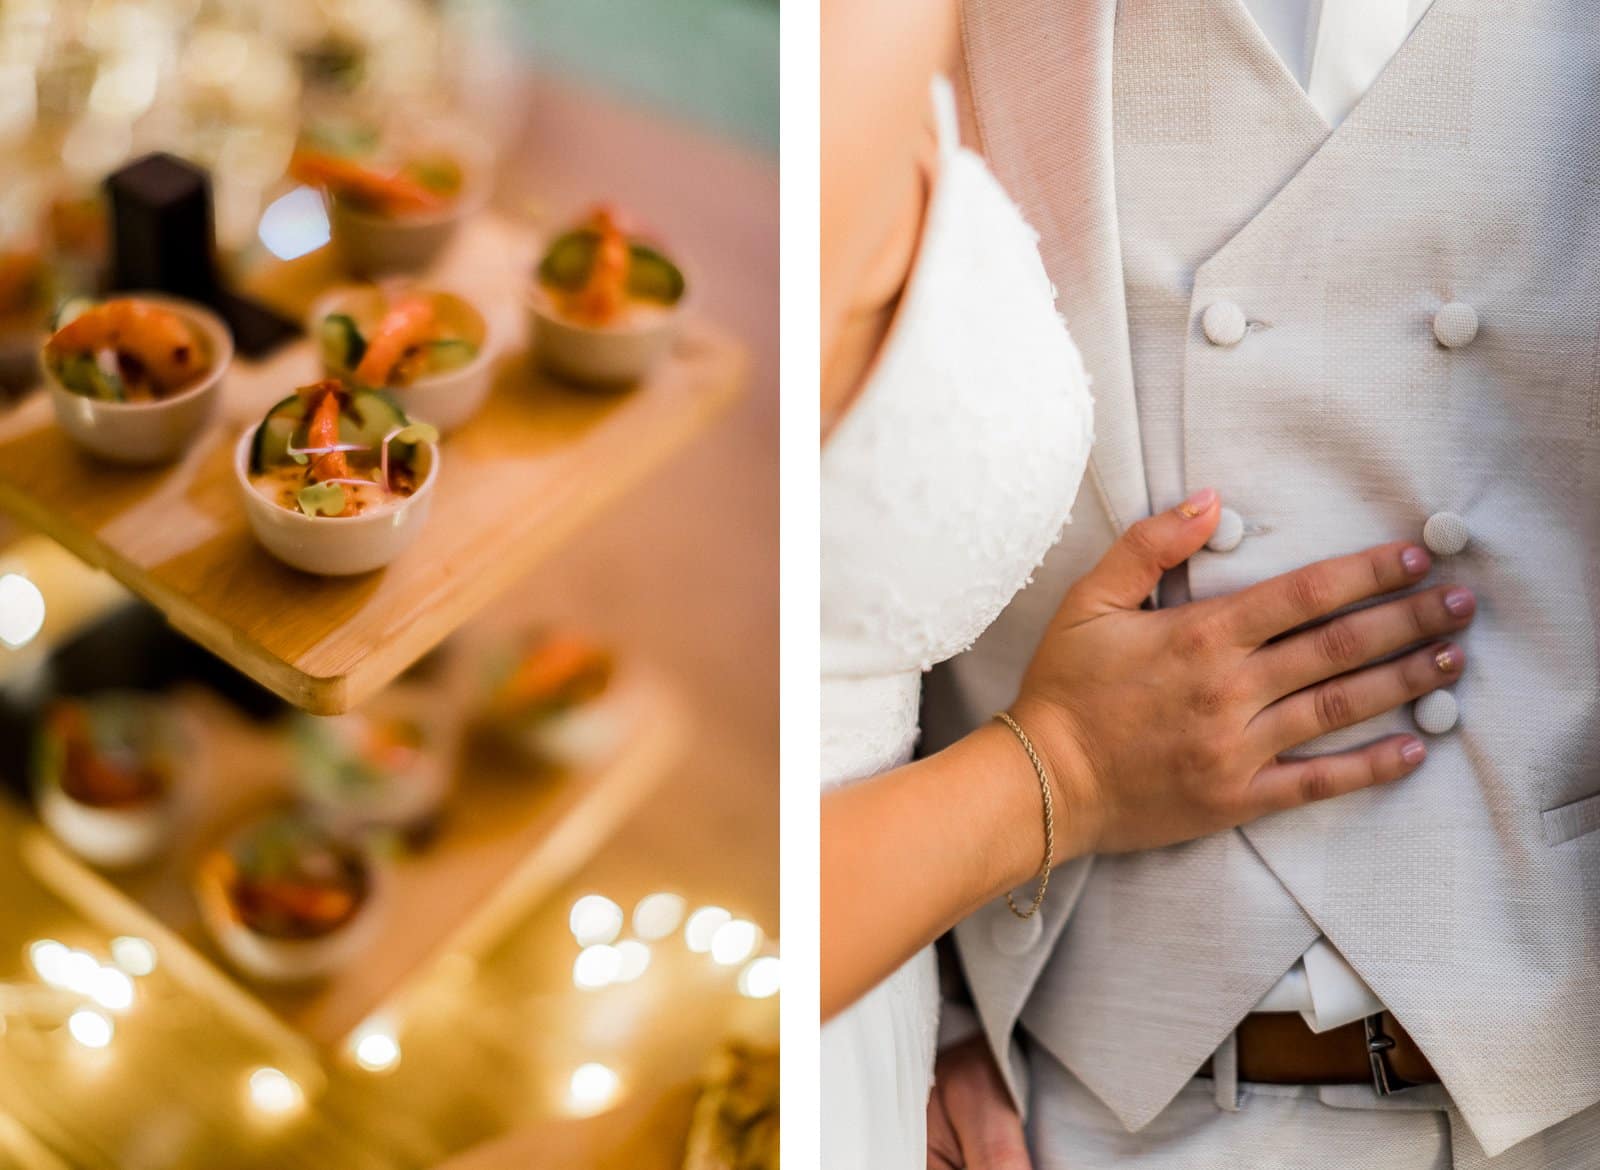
point(908, 854)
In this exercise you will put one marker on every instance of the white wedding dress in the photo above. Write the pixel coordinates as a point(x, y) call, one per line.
point(942, 489)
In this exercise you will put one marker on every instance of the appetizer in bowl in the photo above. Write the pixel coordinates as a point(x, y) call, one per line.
point(105, 773)
point(337, 480)
point(392, 206)
point(289, 902)
point(366, 773)
point(555, 703)
point(604, 304)
point(133, 379)
point(428, 349)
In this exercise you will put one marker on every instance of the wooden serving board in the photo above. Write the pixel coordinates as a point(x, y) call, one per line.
point(506, 838)
point(533, 466)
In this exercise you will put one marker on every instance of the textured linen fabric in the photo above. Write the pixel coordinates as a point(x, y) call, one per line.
point(941, 490)
point(1468, 896)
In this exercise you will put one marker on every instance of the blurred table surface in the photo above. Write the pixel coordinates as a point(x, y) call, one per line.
point(685, 570)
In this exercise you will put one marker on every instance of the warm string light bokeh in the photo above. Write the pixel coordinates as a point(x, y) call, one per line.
point(21, 610)
point(81, 995)
point(607, 958)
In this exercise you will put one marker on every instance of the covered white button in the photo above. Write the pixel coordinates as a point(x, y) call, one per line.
point(1015, 936)
point(1224, 323)
point(1230, 531)
point(1455, 325)
point(1436, 712)
point(1445, 534)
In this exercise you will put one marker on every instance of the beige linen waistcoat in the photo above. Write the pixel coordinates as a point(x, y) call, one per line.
point(1468, 896)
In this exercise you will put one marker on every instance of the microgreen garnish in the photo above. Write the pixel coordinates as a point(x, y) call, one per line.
point(321, 499)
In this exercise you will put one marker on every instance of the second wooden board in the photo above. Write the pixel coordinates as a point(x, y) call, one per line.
point(507, 836)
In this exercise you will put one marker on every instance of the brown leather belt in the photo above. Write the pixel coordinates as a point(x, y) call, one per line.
point(1277, 1048)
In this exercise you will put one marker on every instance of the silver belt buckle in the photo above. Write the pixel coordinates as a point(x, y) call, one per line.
point(1379, 1042)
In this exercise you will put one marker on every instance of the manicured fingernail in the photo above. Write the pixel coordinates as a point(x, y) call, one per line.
point(1197, 503)
point(1414, 560)
point(1460, 602)
point(1413, 752)
point(1448, 660)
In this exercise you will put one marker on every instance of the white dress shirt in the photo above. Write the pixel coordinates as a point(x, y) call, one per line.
point(1335, 49)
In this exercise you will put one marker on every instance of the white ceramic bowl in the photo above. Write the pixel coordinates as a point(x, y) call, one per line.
point(409, 799)
point(370, 244)
point(333, 546)
point(291, 960)
point(406, 802)
point(146, 432)
point(446, 400)
point(604, 356)
point(580, 737)
point(111, 838)
point(117, 838)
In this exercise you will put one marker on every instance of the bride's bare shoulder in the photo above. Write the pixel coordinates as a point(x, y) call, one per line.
point(878, 58)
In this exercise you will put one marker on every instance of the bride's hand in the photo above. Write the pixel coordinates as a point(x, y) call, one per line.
point(1159, 726)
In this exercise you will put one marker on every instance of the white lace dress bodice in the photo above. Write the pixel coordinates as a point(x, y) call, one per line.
point(942, 489)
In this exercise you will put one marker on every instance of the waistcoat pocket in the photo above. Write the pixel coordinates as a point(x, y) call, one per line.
point(1574, 819)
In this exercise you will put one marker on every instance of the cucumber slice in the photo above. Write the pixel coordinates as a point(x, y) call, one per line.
point(372, 414)
point(342, 344)
point(270, 447)
point(378, 414)
point(566, 265)
point(651, 276)
point(449, 353)
point(437, 173)
point(82, 374)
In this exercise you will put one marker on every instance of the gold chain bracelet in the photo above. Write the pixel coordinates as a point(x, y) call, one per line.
point(1049, 819)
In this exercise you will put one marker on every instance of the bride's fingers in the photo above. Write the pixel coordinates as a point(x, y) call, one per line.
point(1354, 698)
point(1347, 642)
point(1261, 612)
point(1132, 567)
point(1292, 783)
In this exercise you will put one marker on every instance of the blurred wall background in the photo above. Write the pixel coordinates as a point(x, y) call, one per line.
point(714, 62)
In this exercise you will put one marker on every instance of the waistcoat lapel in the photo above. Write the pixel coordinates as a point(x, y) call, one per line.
point(1038, 89)
point(1039, 73)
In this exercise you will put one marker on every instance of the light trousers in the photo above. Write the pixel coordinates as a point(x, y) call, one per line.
point(1281, 1127)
